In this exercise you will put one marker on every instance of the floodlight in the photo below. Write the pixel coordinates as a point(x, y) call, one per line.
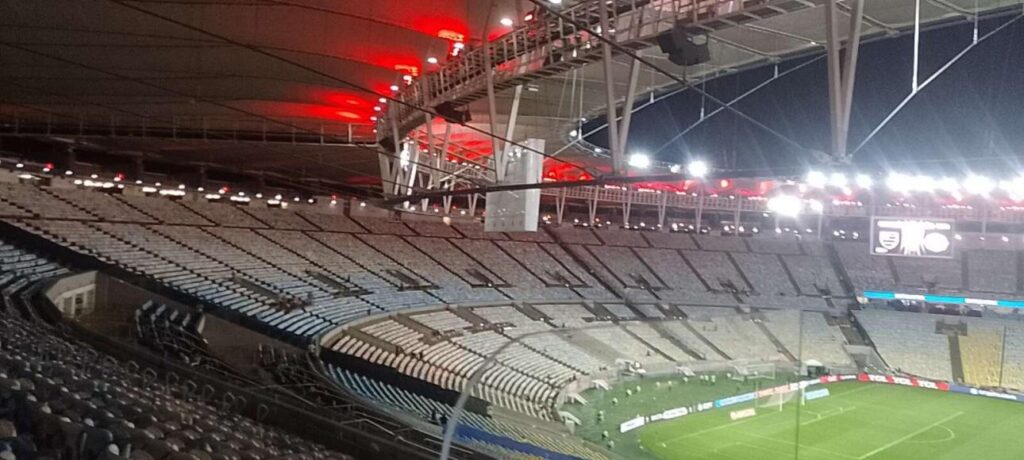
point(837, 180)
point(640, 161)
point(816, 179)
point(507, 22)
point(697, 168)
point(864, 181)
point(978, 185)
point(785, 205)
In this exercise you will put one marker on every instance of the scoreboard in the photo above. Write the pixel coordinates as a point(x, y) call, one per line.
point(908, 237)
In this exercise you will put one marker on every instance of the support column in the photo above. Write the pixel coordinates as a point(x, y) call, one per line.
point(662, 206)
point(492, 110)
point(736, 216)
point(560, 206)
point(700, 208)
point(850, 72)
point(917, 45)
point(618, 163)
point(842, 73)
point(832, 45)
point(501, 162)
point(627, 109)
point(627, 208)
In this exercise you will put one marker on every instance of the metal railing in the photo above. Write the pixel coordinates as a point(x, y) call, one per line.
point(549, 45)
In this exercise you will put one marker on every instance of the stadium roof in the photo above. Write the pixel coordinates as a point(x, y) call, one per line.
point(290, 86)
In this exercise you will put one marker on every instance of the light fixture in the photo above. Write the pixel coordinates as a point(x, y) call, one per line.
point(978, 185)
point(640, 161)
point(394, 87)
point(376, 108)
point(431, 60)
point(864, 181)
point(816, 179)
point(507, 22)
point(785, 205)
point(383, 100)
point(697, 168)
point(837, 180)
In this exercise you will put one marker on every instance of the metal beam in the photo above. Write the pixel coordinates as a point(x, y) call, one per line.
point(917, 45)
point(850, 74)
point(832, 45)
point(627, 108)
point(501, 161)
point(618, 163)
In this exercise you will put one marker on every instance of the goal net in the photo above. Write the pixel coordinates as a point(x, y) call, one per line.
point(775, 401)
point(746, 372)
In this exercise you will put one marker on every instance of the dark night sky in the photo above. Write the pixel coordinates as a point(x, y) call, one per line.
point(971, 113)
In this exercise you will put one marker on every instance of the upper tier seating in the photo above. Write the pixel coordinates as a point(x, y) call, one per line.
point(943, 273)
point(223, 214)
point(33, 200)
point(332, 220)
point(164, 210)
point(813, 274)
point(574, 235)
point(280, 218)
point(618, 237)
point(992, 271)
point(104, 206)
point(865, 271)
point(766, 274)
point(670, 240)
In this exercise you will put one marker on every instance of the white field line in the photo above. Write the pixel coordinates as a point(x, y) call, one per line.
point(911, 435)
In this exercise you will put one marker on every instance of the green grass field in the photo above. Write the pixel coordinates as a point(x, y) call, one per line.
point(858, 421)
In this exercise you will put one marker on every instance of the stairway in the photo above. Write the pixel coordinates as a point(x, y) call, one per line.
point(660, 329)
point(467, 314)
point(603, 351)
point(598, 310)
point(775, 341)
point(792, 279)
point(646, 343)
point(531, 312)
point(955, 359)
point(707, 342)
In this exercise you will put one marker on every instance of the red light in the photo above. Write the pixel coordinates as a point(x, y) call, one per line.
point(49, 165)
point(724, 183)
point(451, 35)
point(408, 69)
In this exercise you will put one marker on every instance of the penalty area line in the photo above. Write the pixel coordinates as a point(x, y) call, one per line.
point(911, 435)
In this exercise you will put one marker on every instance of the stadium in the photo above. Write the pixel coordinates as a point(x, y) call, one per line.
point(511, 229)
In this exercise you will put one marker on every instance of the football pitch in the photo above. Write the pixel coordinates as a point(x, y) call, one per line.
point(858, 421)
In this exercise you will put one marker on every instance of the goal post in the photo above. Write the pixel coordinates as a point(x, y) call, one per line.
point(746, 372)
point(775, 401)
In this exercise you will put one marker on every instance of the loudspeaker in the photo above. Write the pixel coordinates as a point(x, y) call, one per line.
point(448, 111)
point(684, 48)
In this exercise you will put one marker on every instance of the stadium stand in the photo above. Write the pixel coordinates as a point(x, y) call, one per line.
point(64, 408)
point(992, 271)
point(908, 342)
point(374, 290)
point(981, 351)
